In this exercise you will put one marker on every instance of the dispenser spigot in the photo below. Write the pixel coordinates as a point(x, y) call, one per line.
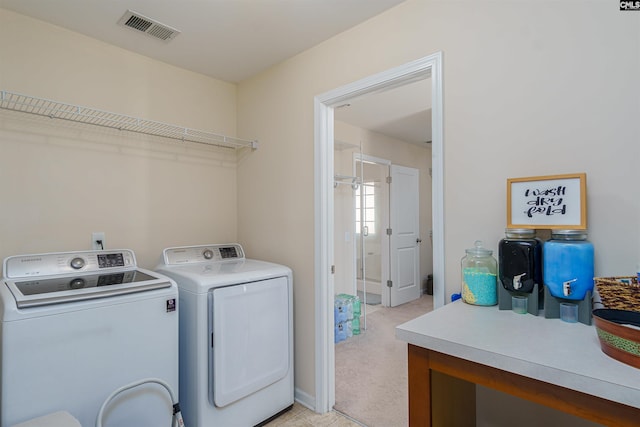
point(517, 281)
point(566, 287)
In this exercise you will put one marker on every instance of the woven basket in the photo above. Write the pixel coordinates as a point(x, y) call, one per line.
point(621, 293)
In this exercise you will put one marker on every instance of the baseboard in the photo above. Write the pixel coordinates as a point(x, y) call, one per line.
point(305, 399)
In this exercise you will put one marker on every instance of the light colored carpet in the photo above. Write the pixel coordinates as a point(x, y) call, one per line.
point(371, 368)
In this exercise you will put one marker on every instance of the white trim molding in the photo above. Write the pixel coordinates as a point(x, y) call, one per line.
point(427, 67)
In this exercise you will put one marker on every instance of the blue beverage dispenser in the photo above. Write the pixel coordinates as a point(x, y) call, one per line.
point(568, 270)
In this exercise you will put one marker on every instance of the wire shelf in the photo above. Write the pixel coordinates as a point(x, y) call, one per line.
point(92, 116)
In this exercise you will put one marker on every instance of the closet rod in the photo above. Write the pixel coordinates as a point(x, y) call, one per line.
point(92, 116)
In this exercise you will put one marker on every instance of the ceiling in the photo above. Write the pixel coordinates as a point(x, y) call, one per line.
point(232, 40)
point(402, 112)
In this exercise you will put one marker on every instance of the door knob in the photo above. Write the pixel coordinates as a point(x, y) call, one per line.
point(418, 240)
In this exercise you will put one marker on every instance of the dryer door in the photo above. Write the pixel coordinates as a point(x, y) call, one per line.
point(250, 338)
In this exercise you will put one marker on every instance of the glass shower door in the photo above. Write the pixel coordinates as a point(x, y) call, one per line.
point(370, 228)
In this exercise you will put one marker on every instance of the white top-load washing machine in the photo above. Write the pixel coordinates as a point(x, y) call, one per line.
point(236, 335)
point(76, 326)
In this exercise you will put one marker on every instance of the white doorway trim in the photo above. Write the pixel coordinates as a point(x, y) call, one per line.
point(427, 67)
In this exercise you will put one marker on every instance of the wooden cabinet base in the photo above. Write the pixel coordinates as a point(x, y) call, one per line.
point(435, 400)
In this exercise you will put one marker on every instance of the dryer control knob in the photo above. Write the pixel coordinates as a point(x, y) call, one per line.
point(207, 254)
point(77, 263)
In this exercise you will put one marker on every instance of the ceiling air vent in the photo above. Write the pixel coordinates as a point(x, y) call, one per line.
point(148, 26)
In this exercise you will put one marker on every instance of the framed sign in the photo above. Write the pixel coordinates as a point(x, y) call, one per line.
point(555, 201)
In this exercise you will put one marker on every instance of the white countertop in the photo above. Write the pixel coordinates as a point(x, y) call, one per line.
point(550, 350)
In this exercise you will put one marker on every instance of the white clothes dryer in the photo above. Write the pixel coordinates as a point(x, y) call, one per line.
point(76, 326)
point(236, 335)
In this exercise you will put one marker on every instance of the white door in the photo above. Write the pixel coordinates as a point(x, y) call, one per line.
point(404, 243)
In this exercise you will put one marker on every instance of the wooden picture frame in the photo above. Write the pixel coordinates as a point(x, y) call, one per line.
point(547, 202)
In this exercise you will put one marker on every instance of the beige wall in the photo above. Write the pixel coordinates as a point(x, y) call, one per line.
point(530, 88)
point(60, 181)
point(345, 240)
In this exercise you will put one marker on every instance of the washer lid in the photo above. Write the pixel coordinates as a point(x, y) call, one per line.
point(55, 290)
point(53, 278)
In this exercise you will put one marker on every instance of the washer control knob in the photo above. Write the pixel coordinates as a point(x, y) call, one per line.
point(207, 254)
point(77, 263)
point(77, 283)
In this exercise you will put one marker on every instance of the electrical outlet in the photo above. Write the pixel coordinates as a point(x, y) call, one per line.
point(97, 240)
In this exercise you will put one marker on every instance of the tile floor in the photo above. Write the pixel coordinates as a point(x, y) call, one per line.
point(299, 416)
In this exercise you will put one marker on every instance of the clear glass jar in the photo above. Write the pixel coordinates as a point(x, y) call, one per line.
point(520, 260)
point(479, 285)
point(568, 264)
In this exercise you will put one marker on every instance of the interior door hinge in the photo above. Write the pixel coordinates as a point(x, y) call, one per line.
point(388, 180)
point(389, 284)
point(388, 232)
point(333, 269)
